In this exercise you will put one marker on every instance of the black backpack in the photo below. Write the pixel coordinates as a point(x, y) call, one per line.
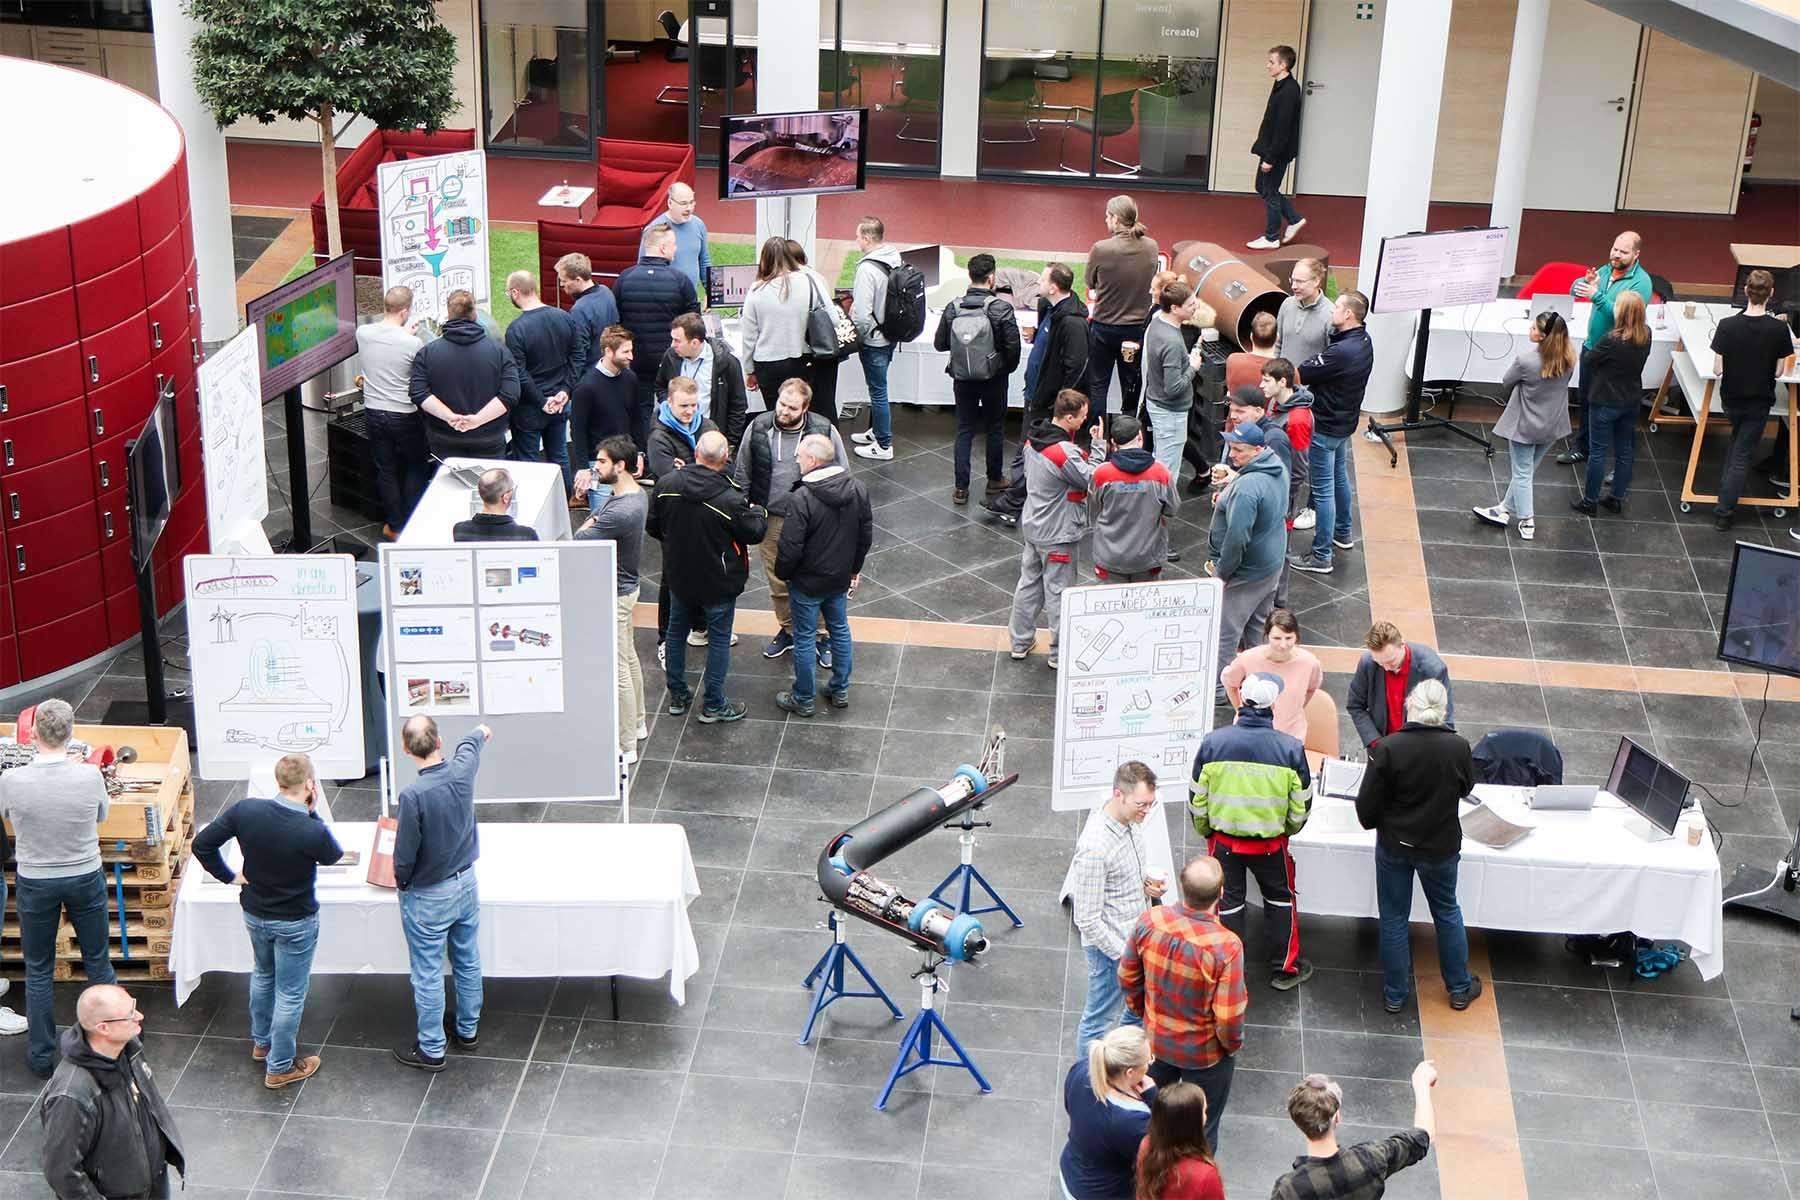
point(903, 316)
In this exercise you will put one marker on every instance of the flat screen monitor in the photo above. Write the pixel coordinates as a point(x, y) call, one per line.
point(1762, 610)
point(763, 155)
point(927, 259)
point(154, 470)
point(727, 286)
point(1437, 270)
point(305, 326)
point(1649, 787)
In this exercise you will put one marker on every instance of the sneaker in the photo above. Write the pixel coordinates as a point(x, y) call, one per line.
point(871, 450)
point(1306, 519)
point(11, 1023)
point(1286, 981)
point(1010, 520)
point(1262, 243)
point(1527, 529)
point(780, 644)
point(1571, 456)
point(1343, 543)
point(824, 661)
point(304, 1068)
point(1794, 533)
point(678, 705)
point(865, 438)
point(1172, 555)
point(840, 698)
point(1310, 563)
point(788, 702)
point(1460, 1001)
point(1721, 522)
point(1018, 655)
point(1607, 482)
point(959, 495)
point(629, 756)
point(259, 1053)
point(1051, 662)
point(662, 655)
point(1293, 230)
point(1583, 505)
point(1613, 504)
point(732, 710)
point(1493, 515)
point(1393, 1006)
point(696, 637)
point(5, 986)
point(472, 1042)
point(417, 1059)
point(1200, 484)
point(643, 731)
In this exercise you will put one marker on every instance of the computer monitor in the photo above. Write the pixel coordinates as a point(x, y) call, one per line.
point(1649, 787)
point(928, 260)
point(727, 286)
point(1761, 628)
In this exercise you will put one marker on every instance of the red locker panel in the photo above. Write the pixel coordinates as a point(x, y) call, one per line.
point(122, 622)
point(165, 265)
point(115, 562)
point(159, 208)
point(191, 465)
point(32, 495)
point(32, 384)
point(9, 660)
point(61, 643)
point(106, 241)
point(42, 437)
point(40, 546)
point(187, 239)
point(114, 524)
point(176, 359)
point(44, 596)
point(121, 407)
point(181, 185)
point(116, 352)
point(108, 459)
point(169, 320)
point(35, 265)
point(187, 410)
point(105, 300)
point(31, 327)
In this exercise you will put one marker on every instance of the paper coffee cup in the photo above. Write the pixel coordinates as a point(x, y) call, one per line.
point(1688, 311)
point(1695, 826)
point(1128, 351)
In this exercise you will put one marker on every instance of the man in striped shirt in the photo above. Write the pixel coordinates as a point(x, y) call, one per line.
point(1183, 972)
point(1109, 887)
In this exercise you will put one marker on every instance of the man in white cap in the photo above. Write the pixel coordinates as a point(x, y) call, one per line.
point(1251, 792)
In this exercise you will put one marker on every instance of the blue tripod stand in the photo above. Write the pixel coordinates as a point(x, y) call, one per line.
point(918, 1038)
point(829, 973)
point(968, 877)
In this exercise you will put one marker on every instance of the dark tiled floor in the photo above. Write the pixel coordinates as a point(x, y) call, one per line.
point(250, 236)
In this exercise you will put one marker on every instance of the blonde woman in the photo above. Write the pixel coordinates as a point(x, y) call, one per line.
point(1615, 387)
point(1536, 416)
point(774, 320)
point(1108, 1101)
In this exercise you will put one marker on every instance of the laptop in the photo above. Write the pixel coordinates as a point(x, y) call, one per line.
point(1563, 798)
point(1560, 304)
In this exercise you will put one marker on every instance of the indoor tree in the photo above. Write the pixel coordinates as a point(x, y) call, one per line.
point(320, 60)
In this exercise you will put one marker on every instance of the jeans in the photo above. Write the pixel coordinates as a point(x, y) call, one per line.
point(1105, 1001)
point(807, 611)
point(402, 467)
point(1524, 458)
point(41, 903)
point(631, 675)
point(980, 405)
point(1393, 898)
point(1612, 436)
point(875, 363)
point(1578, 436)
point(1103, 350)
point(447, 912)
point(549, 444)
point(1215, 1081)
point(1746, 436)
point(1169, 429)
point(1279, 207)
point(683, 617)
point(1328, 466)
point(284, 952)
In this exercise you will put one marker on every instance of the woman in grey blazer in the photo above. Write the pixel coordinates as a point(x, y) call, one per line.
point(1536, 417)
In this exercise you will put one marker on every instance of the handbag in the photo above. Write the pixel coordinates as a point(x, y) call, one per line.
point(830, 334)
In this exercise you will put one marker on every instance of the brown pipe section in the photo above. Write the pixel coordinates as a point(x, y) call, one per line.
point(1235, 289)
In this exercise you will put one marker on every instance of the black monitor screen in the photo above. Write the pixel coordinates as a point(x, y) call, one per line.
point(154, 470)
point(1762, 610)
point(1648, 786)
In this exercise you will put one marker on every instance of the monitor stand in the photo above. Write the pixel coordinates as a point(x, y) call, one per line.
point(1643, 830)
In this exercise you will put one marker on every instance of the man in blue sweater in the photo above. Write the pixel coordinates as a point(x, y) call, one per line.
point(591, 305)
point(434, 867)
point(1248, 540)
point(283, 843)
point(542, 341)
point(691, 258)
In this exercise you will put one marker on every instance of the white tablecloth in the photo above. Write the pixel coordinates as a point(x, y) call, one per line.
point(540, 502)
point(1574, 873)
point(1477, 342)
point(580, 900)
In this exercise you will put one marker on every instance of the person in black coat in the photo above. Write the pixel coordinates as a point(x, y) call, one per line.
point(542, 341)
point(1411, 795)
point(591, 305)
point(690, 353)
point(1613, 374)
point(651, 295)
point(1337, 378)
point(494, 523)
point(824, 539)
point(467, 383)
point(1058, 360)
point(1277, 143)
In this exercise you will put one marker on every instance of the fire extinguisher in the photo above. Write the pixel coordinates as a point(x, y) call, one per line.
point(1750, 142)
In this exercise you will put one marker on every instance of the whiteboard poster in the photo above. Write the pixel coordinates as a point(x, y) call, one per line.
point(1438, 270)
point(430, 577)
point(438, 689)
point(434, 228)
point(433, 634)
point(231, 429)
point(274, 653)
point(517, 576)
point(1138, 672)
point(524, 686)
point(521, 631)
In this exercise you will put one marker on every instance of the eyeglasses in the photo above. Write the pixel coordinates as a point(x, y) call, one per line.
point(133, 1015)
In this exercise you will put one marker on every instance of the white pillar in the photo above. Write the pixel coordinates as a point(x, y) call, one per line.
point(787, 80)
point(1529, 32)
point(1407, 91)
point(209, 188)
point(959, 112)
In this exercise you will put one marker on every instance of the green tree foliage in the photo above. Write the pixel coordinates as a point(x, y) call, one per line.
point(391, 61)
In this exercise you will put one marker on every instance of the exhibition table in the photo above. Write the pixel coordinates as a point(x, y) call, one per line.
point(1574, 873)
point(540, 501)
point(573, 900)
point(1475, 343)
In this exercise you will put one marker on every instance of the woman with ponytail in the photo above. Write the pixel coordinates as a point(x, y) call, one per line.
point(1536, 416)
point(1174, 1161)
point(1119, 270)
point(1107, 1099)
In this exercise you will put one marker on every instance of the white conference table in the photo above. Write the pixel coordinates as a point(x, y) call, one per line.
point(574, 900)
point(539, 502)
point(1574, 873)
point(1475, 343)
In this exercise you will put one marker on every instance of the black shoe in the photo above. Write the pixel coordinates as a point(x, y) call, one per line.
point(1172, 556)
point(1392, 1006)
point(731, 710)
point(1284, 981)
point(840, 698)
point(678, 706)
point(1568, 457)
point(1200, 484)
point(788, 702)
point(1613, 504)
point(1007, 519)
point(1582, 504)
point(1460, 1001)
point(1721, 522)
point(417, 1059)
point(472, 1042)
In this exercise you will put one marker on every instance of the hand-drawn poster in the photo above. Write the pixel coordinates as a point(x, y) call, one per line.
point(231, 429)
point(434, 228)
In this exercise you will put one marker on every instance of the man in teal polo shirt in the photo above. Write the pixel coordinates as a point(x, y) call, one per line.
point(1601, 287)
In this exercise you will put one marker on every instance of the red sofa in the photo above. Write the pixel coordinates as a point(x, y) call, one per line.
point(632, 181)
point(357, 208)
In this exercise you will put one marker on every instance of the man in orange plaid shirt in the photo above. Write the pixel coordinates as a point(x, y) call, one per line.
point(1183, 972)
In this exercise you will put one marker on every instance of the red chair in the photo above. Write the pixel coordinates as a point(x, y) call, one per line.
point(632, 181)
point(358, 217)
point(1553, 278)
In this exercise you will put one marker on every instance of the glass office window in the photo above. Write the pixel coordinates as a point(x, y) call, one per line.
point(892, 63)
point(539, 72)
point(1157, 78)
point(1038, 74)
point(646, 72)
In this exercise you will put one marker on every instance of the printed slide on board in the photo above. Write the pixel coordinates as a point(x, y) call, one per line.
point(521, 631)
point(524, 686)
point(433, 635)
point(418, 577)
point(516, 577)
point(439, 689)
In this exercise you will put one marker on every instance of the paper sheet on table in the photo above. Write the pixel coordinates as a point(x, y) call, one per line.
point(525, 686)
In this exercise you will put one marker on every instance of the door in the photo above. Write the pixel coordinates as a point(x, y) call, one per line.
point(1590, 62)
point(541, 97)
point(1473, 101)
point(1337, 123)
point(1687, 144)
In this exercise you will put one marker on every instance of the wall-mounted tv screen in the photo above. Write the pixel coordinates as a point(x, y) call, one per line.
point(154, 474)
point(763, 155)
point(1762, 610)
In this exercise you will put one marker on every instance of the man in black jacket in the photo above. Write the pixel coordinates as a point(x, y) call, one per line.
point(1337, 379)
point(107, 1130)
point(1058, 360)
point(1390, 668)
point(495, 522)
point(651, 295)
point(604, 404)
point(1277, 143)
point(714, 369)
point(704, 524)
point(591, 305)
point(824, 541)
point(467, 383)
point(542, 342)
point(980, 392)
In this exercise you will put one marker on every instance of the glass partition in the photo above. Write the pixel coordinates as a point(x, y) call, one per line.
point(891, 61)
point(1038, 78)
point(539, 76)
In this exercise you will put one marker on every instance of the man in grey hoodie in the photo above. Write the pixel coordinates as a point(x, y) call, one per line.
point(868, 301)
point(1248, 541)
point(1169, 377)
point(1057, 475)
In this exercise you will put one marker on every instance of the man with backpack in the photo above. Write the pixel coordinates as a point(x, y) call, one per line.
point(1058, 360)
point(887, 306)
point(982, 337)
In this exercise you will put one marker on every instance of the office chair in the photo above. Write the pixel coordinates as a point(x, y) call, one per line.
point(1114, 116)
point(838, 76)
point(671, 28)
point(1003, 87)
point(922, 91)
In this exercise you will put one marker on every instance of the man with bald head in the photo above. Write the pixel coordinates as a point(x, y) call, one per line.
point(1600, 287)
point(107, 1130)
point(824, 540)
point(690, 258)
point(495, 522)
point(543, 341)
point(705, 524)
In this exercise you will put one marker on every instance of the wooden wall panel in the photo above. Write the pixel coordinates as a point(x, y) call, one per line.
point(1474, 97)
point(1778, 144)
point(1250, 28)
point(1687, 139)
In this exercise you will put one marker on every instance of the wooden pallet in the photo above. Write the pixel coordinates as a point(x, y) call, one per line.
point(127, 970)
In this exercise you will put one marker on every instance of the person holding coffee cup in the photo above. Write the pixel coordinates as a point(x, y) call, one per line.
point(1119, 271)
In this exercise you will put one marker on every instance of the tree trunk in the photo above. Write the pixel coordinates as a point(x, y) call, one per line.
point(334, 241)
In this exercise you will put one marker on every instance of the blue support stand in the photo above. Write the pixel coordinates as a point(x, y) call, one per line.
point(918, 1041)
point(828, 972)
point(968, 877)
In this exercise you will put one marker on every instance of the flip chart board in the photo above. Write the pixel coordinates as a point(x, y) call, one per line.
point(1438, 270)
point(231, 430)
point(434, 228)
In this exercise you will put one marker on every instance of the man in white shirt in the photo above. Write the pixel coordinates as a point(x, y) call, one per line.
point(1109, 888)
point(396, 427)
